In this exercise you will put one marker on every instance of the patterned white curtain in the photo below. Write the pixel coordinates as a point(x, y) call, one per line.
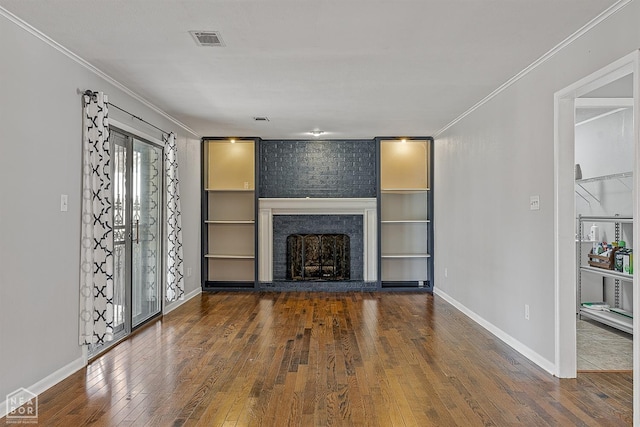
point(96, 259)
point(175, 273)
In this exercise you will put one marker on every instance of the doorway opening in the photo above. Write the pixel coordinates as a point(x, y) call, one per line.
point(604, 227)
point(602, 84)
point(137, 167)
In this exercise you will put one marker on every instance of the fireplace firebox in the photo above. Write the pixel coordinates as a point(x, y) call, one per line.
point(318, 257)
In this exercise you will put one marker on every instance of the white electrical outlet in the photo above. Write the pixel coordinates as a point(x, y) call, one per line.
point(189, 271)
point(526, 311)
point(64, 203)
point(534, 203)
point(446, 272)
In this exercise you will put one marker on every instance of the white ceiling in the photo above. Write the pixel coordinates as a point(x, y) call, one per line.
point(353, 68)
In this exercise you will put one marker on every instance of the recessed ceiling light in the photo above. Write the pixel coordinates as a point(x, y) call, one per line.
point(233, 141)
point(316, 133)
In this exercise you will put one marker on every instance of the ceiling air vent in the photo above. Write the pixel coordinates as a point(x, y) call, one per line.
point(207, 38)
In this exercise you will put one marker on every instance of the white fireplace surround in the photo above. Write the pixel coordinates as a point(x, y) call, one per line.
point(268, 207)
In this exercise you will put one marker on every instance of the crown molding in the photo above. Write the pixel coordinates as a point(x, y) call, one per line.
point(69, 54)
point(538, 62)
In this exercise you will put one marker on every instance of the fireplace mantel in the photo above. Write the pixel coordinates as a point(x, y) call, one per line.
point(268, 207)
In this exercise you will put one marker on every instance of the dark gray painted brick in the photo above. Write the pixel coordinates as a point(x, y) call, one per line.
point(318, 168)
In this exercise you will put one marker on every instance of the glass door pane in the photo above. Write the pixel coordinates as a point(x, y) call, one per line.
point(146, 231)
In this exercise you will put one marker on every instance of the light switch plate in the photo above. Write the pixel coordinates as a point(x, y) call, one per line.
point(534, 203)
point(64, 202)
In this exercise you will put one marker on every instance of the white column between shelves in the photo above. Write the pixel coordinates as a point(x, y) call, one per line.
point(265, 248)
point(370, 245)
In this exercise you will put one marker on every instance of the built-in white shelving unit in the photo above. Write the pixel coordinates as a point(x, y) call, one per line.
point(229, 235)
point(405, 223)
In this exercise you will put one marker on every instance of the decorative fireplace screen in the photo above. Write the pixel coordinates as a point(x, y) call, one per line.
point(318, 257)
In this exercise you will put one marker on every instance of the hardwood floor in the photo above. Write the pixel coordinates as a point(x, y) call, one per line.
point(320, 359)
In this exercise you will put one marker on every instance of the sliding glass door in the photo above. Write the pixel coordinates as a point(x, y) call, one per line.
point(146, 232)
point(137, 195)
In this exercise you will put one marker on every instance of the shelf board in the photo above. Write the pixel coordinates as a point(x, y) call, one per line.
point(404, 190)
point(605, 177)
point(228, 256)
point(218, 221)
point(222, 190)
point(228, 284)
point(620, 219)
point(399, 256)
point(413, 284)
point(406, 221)
point(609, 318)
point(607, 273)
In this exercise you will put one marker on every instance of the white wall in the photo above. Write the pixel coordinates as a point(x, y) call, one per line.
point(604, 146)
point(40, 159)
point(499, 255)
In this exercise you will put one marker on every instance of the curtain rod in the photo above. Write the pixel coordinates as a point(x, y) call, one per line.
point(92, 94)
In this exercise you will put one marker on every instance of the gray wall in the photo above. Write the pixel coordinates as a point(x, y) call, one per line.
point(40, 159)
point(500, 255)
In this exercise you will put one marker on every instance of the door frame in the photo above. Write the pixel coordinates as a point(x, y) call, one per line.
point(128, 130)
point(162, 235)
point(564, 215)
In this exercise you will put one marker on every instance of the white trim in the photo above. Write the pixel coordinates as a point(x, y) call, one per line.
point(318, 206)
point(175, 304)
point(636, 235)
point(265, 245)
point(50, 380)
point(545, 364)
point(370, 239)
point(57, 46)
point(564, 240)
point(538, 62)
point(268, 207)
point(136, 132)
point(603, 102)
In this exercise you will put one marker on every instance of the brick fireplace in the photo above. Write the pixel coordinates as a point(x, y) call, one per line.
point(280, 217)
point(309, 187)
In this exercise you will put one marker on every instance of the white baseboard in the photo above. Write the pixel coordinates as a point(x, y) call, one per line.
point(500, 334)
point(187, 297)
point(47, 382)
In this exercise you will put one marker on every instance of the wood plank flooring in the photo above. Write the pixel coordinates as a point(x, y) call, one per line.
point(326, 359)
